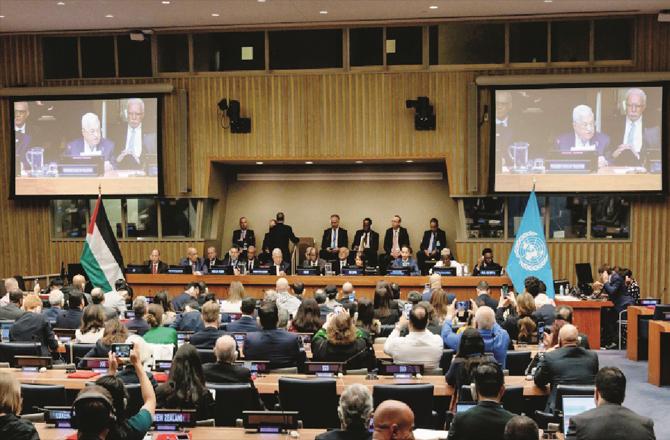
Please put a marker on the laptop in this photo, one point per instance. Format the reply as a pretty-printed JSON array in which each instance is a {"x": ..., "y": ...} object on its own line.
[
  {"x": 136, "y": 268},
  {"x": 573, "y": 406}
]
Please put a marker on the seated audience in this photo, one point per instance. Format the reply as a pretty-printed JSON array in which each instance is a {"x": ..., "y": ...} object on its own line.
[
  {"x": 56, "y": 303},
  {"x": 384, "y": 311},
  {"x": 393, "y": 420},
  {"x": 11, "y": 426},
  {"x": 496, "y": 339},
  {"x": 115, "y": 333},
  {"x": 116, "y": 299},
  {"x": 95, "y": 413},
  {"x": 285, "y": 300},
  {"x": 564, "y": 316},
  {"x": 33, "y": 326},
  {"x": 414, "y": 297},
  {"x": 185, "y": 387},
  {"x": 484, "y": 296},
  {"x": 341, "y": 341},
  {"x": 224, "y": 370},
  {"x": 92, "y": 325},
  {"x": 191, "y": 293},
  {"x": 487, "y": 420},
  {"x": 298, "y": 289},
  {"x": 347, "y": 292},
  {"x": 567, "y": 365},
  {"x": 71, "y": 318},
  {"x": 610, "y": 419},
  {"x": 247, "y": 322},
  {"x": 440, "y": 301},
  {"x": 158, "y": 334},
  {"x": 308, "y": 317},
  {"x": 281, "y": 348},
  {"x": 13, "y": 310},
  {"x": 331, "y": 295},
  {"x": 419, "y": 346},
  {"x": 434, "y": 325},
  {"x": 128, "y": 373},
  {"x": 468, "y": 357},
  {"x": 206, "y": 338},
  {"x": 321, "y": 298},
  {"x": 521, "y": 428},
  {"x": 139, "y": 324},
  {"x": 515, "y": 314},
  {"x": 366, "y": 319},
  {"x": 190, "y": 320},
  {"x": 169, "y": 315},
  {"x": 354, "y": 411},
  {"x": 10, "y": 286},
  {"x": 545, "y": 306},
  {"x": 98, "y": 299},
  {"x": 233, "y": 303},
  {"x": 434, "y": 282}
]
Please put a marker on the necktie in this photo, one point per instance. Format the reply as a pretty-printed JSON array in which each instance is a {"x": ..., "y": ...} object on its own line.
[
  {"x": 630, "y": 140},
  {"x": 154, "y": 268},
  {"x": 333, "y": 235},
  {"x": 130, "y": 148},
  {"x": 251, "y": 265},
  {"x": 432, "y": 242},
  {"x": 367, "y": 239},
  {"x": 395, "y": 240}
]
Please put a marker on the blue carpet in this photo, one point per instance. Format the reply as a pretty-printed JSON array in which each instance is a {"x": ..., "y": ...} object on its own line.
[{"x": 642, "y": 397}]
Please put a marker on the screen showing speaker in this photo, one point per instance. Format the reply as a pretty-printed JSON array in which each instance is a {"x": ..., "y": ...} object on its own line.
[
  {"x": 74, "y": 146},
  {"x": 578, "y": 139}
]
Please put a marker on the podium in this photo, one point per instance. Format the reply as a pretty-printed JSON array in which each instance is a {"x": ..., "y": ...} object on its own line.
[
  {"x": 586, "y": 317},
  {"x": 659, "y": 353},
  {"x": 636, "y": 349}
]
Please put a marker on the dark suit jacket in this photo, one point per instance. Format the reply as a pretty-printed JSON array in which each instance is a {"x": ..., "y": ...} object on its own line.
[
  {"x": 162, "y": 267},
  {"x": 206, "y": 338},
  {"x": 70, "y": 318},
  {"x": 256, "y": 263},
  {"x": 567, "y": 140},
  {"x": 439, "y": 243},
  {"x": 492, "y": 266},
  {"x": 546, "y": 314},
  {"x": 139, "y": 325},
  {"x": 216, "y": 372},
  {"x": 228, "y": 262},
  {"x": 486, "y": 300},
  {"x": 487, "y": 421},
  {"x": 249, "y": 238},
  {"x": 651, "y": 140},
  {"x": 403, "y": 239},
  {"x": 200, "y": 264},
  {"x": 342, "y": 434},
  {"x": 188, "y": 322},
  {"x": 76, "y": 147},
  {"x": 279, "y": 236},
  {"x": 337, "y": 267},
  {"x": 374, "y": 240},
  {"x": 149, "y": 139},
  {"x": 284, "y": 266},
  {"x": 566, "y": 366},
  {"x": 179, "y": 301},
  {"x": 327, "y": 239},
  {"x": 215, "y": 262},
  {"x": 34, "y": 327},
  {"x": 244, "y": 324},
  {"x": 618, "y": 293},
  {"x": 51, "y": 313},
  {"x": 11, "y": 312},
  {"x": 280, "y": 347},
  {"x": 610, "y": 422}
]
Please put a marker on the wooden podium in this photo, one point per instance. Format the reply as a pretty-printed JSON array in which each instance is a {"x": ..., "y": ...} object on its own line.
[
  {"x": 634, "y": 351},
  {"x": 587, "y": 318},
  {"x": 659, "y": 353}
]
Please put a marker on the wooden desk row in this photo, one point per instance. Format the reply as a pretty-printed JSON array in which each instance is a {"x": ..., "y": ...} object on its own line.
[
  {"x": 269, "y": 384},
  {"x": 656, "y": 349}
]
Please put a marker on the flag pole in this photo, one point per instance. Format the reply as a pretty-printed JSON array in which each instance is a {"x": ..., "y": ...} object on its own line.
[
  {"x": 100, "y": 189},
  {"x": 534, "y": 182}
]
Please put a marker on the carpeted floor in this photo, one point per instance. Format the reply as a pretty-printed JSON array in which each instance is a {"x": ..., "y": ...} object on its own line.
[{"x": 642, "y": 397}]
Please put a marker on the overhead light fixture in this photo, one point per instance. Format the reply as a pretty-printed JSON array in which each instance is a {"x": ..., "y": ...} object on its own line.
[
  {"x": 548, "y": 1},
  {"x": 432, "y": 7},
  {"x": 60, "y": 3},
  {"x": 261, "y": 1},
  {"x": 166, "y": 2},
  {"x": 109, "y": 16},
  {"x": 259, "y": 162},
  {"x": 214, "y": 14},
  {"x": 409, "y": 161},
  {"x": 359, "y": 161},
  {"x": 2, "y": 16},
  {"x": 309, "y": 162},
  {"x": 424, "y": 118},
  {"x": 324, "y": 12}
]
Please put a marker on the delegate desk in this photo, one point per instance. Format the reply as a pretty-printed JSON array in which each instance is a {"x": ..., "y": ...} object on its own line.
[
  {"x": 636, "y": 347},
  {"x": 659, "y": 353},
  {"x": 587, "y": 318}
]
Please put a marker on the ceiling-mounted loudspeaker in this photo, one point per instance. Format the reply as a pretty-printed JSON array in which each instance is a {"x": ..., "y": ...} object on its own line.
[{"x": 664, "y": 16}]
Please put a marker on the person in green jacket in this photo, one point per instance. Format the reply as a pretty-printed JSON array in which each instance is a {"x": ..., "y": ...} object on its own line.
[{"x": 158, "y": 334}]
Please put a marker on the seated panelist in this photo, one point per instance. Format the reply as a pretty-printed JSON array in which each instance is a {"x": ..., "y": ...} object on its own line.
[
  {"x": 333, "y": 239},
  {"x": 155, "y": 265},
  {"x": 405, "y": 260},
  {"x": 198, "y": 265},
  {"x": 212, "y": 258},
  {"x": 584, "y": 136},
  {"x": 312, "y": 260},
  {"x": 233, "y": 260},
  {"x": 343, "y": 260},
  {"x": 137, "y": 140},
  {"x": 278, "y": 266},
  {"x": 92, "y": 143}
]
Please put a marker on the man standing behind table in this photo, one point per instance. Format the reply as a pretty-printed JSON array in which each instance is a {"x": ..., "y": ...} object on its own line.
[
  {"x": 279, "y": 236},
  {"x": 395, "y": 238},
  {"x": 244, "y": 237},
  {"x": 24, "y": 135},
  {"x": 137, "y": 141},
  {"x": 198, "y": 265},
  {"x": 432, "y": 243},
  {"x": 333, "y": 239},
  {"x": 367, "y": 241},
  {"x": 92, "y": 143},
  {"x": 155, "y": 265}
]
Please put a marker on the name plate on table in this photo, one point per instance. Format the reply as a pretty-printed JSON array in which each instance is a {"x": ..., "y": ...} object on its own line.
[
  {"x": 97, "y": 365},
  {"x": 172, "y": 419},
  {"x": 59, "y": 416},
  {"x": 258, "y": 367},
  {"x": 260, "y": 271},
  {"x": 489, "y": 272},
  {"x": 352, "y": 271},
  {"x": 570, "y": 166},
  {"x": 271, "y": 422},
  {"x": 308, "y": 270},
  {"x": 403, "y": 371},
  {"x": 324, "y": 369},
  {"x": 445, "y": 271},
  {"x": 179, "y": 270},
  {"x": 32, "y": 364}
]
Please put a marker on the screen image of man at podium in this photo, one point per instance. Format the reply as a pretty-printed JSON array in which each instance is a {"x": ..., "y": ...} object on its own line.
[
  {"x": 92, "y": 144},
  {"x": 138, "y": 142},
  {"x": 584, "y": 137}
]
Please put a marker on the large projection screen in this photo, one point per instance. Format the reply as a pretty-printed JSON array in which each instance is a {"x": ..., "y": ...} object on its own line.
[
  {"x": 583, "y": 138},
  {"x": 78, "y": 145}
]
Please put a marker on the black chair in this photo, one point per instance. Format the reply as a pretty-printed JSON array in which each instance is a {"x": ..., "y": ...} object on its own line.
[
  {"x": 206, "y": 355},
  {"x": 517, "y": 362},
  {"x": 315, "y": 400},
  {"x": 74, "y": 352},
  {"x": 419, "y": 397},
  {"x": 9, "y": 350},
  {"x": 465, "y": 394},
  {"x": 135, "y": 400},
  {"x": 445, "y": 360},
  {"x": 39, "y": 396},
  {"x": 513, "y": 400},
  {"x": 543, "y": 418},
  {"x": 231, "y": 400},
  {"x": 385, "y": 330}
]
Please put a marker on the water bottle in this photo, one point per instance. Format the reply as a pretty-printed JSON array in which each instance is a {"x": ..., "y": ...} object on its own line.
[
  {"x": 562, "y": 290},
  {"x": 466, "y": 270}
]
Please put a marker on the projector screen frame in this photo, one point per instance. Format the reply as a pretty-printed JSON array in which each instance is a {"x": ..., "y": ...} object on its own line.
[
  {"x": 663, "y": 84},
  {"x": 158, "y": 95}
]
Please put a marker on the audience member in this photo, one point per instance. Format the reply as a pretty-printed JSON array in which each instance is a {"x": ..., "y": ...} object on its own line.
[
  {"x": 33, "y": 326},
  {"x": 434, "y": 282},
  {"x": 393, "y": 420},
  {"x": 341, "y": 341},
  {"x": 354, "y": 411},
  {"x": 610, "y": 419},
  {"x": 521, "y": 428},
  {"x": 11, "y": 285},
  {"x": 515, "y": 314},
  {"x": 366, "y": 319},
  {"x": 384, "y": 311},
  {"x": 567, "y": 365},
  {"x": 185, "y": 387},
  {"x": 419, "y": 346},
  {"x": 348, "y": 293},
  {"x": 281, "y": 348},
  {"x": 191, "y": 293},
  {"x": 414, "y": 297},
  {"x": 98, "y": 299},
  {"x": 564, "y": 316},
  {"x": 434, "y": 325},
  {"x": 158, "y": 334},
  {"x": 469, "y": 356},
  {"x": 440, "y": 301},
  {"x": 115, "y": 333},
  {"x": 487, "y": 420},
  {"x": 298, "y": 289},
  {"x": 247, "y": 322},
  {"x": 92, "y": 325},
  {"x": 13, "y": 310},
  {"x": 207, "y": 337},
  {"x": 56, "y": 303},
  {"x": 484, "y": 296},
  {"x": 94, "y": 413},
  {"x": 321, "y": 298},
  {"x": 233, "y": 303},
  {"x": 284, "y": 298},
  {"x": 116, "y": 299},
  {"x": 190, "y": 320},
  {"x": 161, "y": 299},
  {"x": 128, "y": 373},
  {"x": 138, "y": 324},
  {"x": 11, "y": 426},
  {"x": 545, "y": 306},
  {"x": 308, "y": 317},
  {"x": 331, "y": 295},
  {"x": 71, "y": 318}
]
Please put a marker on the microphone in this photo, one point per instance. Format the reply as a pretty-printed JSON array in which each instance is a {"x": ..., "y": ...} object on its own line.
[
  {"x": 365, "y": 350},
  {"x": 281, "y": 408}
]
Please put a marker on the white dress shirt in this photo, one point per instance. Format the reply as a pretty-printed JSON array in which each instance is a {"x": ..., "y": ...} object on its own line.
[
  {"x": 416, "y": 348},
  {"x": 583, "y": 145},
  {"x": 134, "y": 148},
  {"x": 637, "y": 135}
]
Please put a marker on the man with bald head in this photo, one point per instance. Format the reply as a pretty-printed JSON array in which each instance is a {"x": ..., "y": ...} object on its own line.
[
  {"x": 284, "y": 298},
  {"x": 92, "y": 143},
  {"x": 420, "y": 346},
  {"x": 567, "y": 365},
  {"x": 393, "y": 420},
  {"x": 198, "y": 265}
]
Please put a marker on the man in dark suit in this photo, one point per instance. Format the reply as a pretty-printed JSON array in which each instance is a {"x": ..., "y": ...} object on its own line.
[
  {"x": 92, "y": 143},
  {"x": 247, "y": 322},
  {"x": 432, "y": 243},
  {"x": 487, "y": 420},
  {"x": 191, "y": 319},
  {"x": 206, "y": 338},
  {"x": 279, "y": 266},
  {"x": 281, "y": 348},
  {"x": 137, "y": 142},
  {"x": 367, "y": 241},
  {"x": 395, "y": 238},
  {"x": 279, "y": 236},
  {"x": 567, "y": 365},
  {"x": 584, "y": 137},
  {"x": 634, "y": 137},
  {"x": 13, "y": 311},
  {"x": 234, "y": 261},
  {"x": 504, "y": 127},
  {"x": 484, "y": 297},
  {"x": 486, "y": 262},
  {"x": 192, "y": 292},
  {"x": 565, "y": 313},
  {"x": 34, "y": 327},
  {"x": 138, "y": 324},
  {"x": 244, "y": 237},
  {"x": 251, "y": 260},
  {"x": 197, "y": 264},
  {"x": 213, "y": 258},
  {"x": 343, "y": 260},
  {"x": 354, "y": 410},
  {"x": 71, "y": 318},
  {"x": 333, "y": 239},
  {"x": 614, "y": 284},
  {"x": 224, "y": 369},
  {"x": 155, "y": 265},
  {"x": 312, "y": 259},
  {"x": 25, "y": 136},
  {"x": 610, "y": 420}
]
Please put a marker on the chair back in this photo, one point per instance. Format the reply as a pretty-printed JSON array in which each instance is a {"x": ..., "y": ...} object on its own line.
[
  {"x": 75, "y": 351},
  {"x": 513, "y": 400},
  {"x": 465, "y": 394},
  {"x": 447, "y": 357},
  {"x": 572, "y": 390},
  {"x": 135, "y": 400},
  {"x": 39, "y": 396},
  {"x": 517, "y": 362},
  {"x": 206, "y": 355},
  {"x": 315, "y": 400},
  {"x": 9, "y": 351},
  {"x": 231, "y": 401},
  {"x": 419, "y": 397}
]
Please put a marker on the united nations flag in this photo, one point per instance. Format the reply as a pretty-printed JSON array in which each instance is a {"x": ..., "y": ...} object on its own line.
[{"x": 529, "y": 255}]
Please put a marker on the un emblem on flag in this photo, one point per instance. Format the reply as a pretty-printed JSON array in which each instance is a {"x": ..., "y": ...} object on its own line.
[{"x": 531, "y": 251}]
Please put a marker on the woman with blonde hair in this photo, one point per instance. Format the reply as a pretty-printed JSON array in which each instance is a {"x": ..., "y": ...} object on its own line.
[
  {"x": 341, "y": 341},
  {"x": 11, "y": 426},
  {"x": 233, "y": 303},
  {"x": 440, "y": 302},
  {"x": 515, "y": 314}
]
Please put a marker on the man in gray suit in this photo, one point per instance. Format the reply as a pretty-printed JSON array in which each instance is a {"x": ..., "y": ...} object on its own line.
[{"x": 610, "y": 420}]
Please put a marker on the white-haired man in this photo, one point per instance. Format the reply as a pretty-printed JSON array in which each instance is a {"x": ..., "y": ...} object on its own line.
[
  {"x": 56, "y": 302},
  {"x": 354, "y": 412},
  {"x": 278, "y": 266},
  {"x": 584, "y": 137},
  {"x": 284, "y": 298},
  {"x": 137, "y": 141},
  {"x": 92, "y": 143}
]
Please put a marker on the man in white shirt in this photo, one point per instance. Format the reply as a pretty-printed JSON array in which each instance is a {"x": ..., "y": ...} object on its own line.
[
  {"x": 284, "y": 298},
  {"x": 135, "y": 140},
  {"x": 420, "y": 346}
]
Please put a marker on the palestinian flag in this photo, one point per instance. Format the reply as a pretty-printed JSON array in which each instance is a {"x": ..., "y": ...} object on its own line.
[{"x": 101, "y": 257}]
